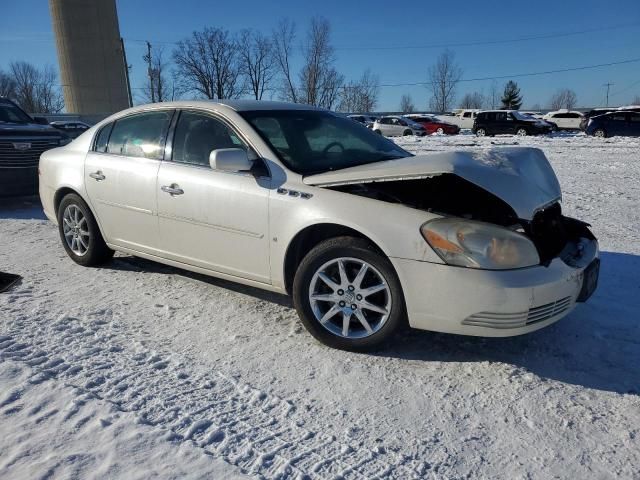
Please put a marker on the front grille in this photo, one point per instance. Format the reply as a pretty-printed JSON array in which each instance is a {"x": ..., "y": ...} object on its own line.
[
  {"x": 519, "y": 319},
  {"x": 10, "y": 157}
]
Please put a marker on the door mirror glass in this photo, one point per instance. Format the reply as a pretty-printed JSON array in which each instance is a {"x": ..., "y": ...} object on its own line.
[{"x": 230, "y": 160}]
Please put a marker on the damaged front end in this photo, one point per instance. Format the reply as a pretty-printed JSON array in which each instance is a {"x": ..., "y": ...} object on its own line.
[{"x": 515, "y": 189}]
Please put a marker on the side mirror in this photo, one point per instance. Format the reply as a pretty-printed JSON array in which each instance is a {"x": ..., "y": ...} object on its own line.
[
  {"x": 41, "y": 120},
  {"x": 230, "y": 160}
]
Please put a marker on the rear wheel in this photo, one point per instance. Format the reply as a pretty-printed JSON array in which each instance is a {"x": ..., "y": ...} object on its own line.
[
  {"x": 600, "y": 133},
  {"x": 481, "y": 132},
  {"x": 522, "y": 132},
  {"x": 79, "y": 232},
  {"x": 348, "y": 295},
  {"x": 440, "y": 130},
  {"x": 407, "y": 132},
  {"x": 378, "y": 132}
]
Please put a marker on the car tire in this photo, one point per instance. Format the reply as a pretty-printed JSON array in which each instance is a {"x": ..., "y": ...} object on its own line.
[
  {"x": 319, "y": 276},
  {"x": 481, "y": 132},
  {"x": 440, "y": 131},
  {"x": 522, "y": 132},
  {"x": 407, "y": 132},
  {"x": 378, "y": 132},
  {"x": 600, "y": 133},
  {"x": 80, "y": 234}
]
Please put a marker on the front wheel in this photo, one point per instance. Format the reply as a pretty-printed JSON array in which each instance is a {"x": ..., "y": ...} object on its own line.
[
  {"x": 348, "y": 295},
  {"x": 378, "y": 131},
  {"x": 481, "y": 132},
  {"x": 79, "y": 232},
  {"x": 600, "y": 133},
  {"x": 407, "y": 132},
  {"x": 440, "y": 131},
  {"x": 522, "y": 132}
]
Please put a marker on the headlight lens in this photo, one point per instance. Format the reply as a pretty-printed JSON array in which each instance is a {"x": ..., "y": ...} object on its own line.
[{"x": 467, "y": 243}]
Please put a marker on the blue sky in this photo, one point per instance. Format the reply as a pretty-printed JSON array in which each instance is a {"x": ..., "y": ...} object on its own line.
[{"x": 26, "y": 34}]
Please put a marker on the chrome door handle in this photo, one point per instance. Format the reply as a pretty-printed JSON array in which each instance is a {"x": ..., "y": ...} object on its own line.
[
  {"x": 172, "y": 189},
  {"x": 98, "y": 176}
]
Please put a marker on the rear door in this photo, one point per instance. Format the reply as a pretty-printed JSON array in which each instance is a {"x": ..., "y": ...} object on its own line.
[
  {"x": 633, "y": 128},
  {"x": 120, "y": 177},
  {"x": 218, "y": 220}
]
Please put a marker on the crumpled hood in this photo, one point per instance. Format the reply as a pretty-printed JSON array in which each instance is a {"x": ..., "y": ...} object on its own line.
[{"x": 520, "y": 176}]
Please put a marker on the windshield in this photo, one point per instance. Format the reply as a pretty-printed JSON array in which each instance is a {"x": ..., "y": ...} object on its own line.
[
  {"x": 310, "y": 141},
  {"x": 12, "y": 114},
  {"x": 522, "y": 116}
]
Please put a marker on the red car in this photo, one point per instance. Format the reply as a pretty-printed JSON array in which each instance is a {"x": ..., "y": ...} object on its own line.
[{"x": 433, "y": 125}]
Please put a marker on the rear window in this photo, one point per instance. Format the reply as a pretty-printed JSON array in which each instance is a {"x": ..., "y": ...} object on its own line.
[
  {"x": 140, "y": 135},
  {"x": 103, "y": 138}
]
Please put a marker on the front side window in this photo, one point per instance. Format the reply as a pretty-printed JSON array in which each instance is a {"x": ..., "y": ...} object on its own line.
[
  {"x": 310, "y": 141},
  {"x": 140, "y": 135},
  {"x": 617, "y": 118},
  {"x": 198, "y": 134},
  {"x": 634, "y": 117}
]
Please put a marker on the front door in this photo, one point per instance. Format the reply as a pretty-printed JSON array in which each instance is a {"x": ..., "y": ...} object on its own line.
[
  {"x": 120, "y": 177},
  {"x": 208, "y": 218}
]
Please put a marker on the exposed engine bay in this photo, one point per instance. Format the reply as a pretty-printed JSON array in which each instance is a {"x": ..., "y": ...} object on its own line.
[{"x": 450, "y": 195}]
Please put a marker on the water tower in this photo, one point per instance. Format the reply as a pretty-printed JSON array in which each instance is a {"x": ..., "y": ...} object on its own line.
[{"x": 93, "y": 69}]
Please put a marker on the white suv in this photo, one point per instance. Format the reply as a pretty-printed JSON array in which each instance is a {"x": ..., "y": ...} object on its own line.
[{"x": 564, "y": 119}]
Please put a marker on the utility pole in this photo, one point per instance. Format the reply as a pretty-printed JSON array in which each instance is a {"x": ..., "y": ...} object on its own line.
[
  {"x": 147, "y": 58},
  {"x": 608, "y": 85},
  {"x": 126, "y": 72}
]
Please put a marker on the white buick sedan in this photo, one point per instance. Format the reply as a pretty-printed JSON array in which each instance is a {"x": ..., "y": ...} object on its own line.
[{"x": 299, "y": 200}]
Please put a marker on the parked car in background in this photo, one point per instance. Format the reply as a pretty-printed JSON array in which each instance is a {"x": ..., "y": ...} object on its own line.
[
  {"x": 396, "y": 126},
  {"x": 536, "y": 115},
  {"x": 592, "y": 113},
  {"x": 432, "y": 124},
  {"x": 22, "y": 140},
  {"x": 463, "y": 118},
  {"x": 497, "y": 122},
  {"x": 619, "y": 123},
  {"x": 299, "y": 200},
  {"x": 564, "y": 119},
  {"x": 366, "y": 120},
  {"x": 73, "y": 128}
]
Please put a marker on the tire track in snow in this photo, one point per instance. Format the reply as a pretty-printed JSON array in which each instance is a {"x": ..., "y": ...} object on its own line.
[{"x": 260, "y": 433}]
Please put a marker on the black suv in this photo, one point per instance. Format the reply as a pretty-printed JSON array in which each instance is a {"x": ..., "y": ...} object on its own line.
[
  {"x": 496, "y": 122},
  {"x": 22, "y": 141}
]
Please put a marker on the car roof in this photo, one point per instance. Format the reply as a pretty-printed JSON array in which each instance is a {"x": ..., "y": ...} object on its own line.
[{"x": 236, "y": 105}]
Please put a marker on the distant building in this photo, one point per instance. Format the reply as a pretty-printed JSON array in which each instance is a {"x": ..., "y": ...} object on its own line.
[{"x": 90, "y": 53}]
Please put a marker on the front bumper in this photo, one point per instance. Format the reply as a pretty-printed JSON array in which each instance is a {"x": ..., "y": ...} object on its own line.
[
  {"x": 18, "y": 181},
  {"x": 487, "y": 303}
]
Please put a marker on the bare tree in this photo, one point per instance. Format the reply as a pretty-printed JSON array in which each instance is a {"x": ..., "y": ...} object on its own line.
[
  {"x": 536, "y": 107},
  {"x": 209, "y": 63},
  {"x": 158, "y": 89},
  {"x": 282, "y": 38},
  {"x": 493, "y": 99},
  {"x": 474, "y": 100},
  {"x": 36, "y": 90},
  {"x": 258, "y": 61},
  {"x": 7, "y": 85},
  {"x": 444, "y": 76},
  {"x": 319, "y": 80},
  {"x": 406, "y": 104},
  {"x": 563, "y": 98},
  {"x": 361, "y": 95}
]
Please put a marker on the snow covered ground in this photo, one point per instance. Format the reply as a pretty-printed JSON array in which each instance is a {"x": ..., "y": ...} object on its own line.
[{"x": 138, "y": 370}]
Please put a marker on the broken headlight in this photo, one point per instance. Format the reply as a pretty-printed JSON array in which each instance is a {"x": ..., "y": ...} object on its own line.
[{"x": 467, "y": 243}]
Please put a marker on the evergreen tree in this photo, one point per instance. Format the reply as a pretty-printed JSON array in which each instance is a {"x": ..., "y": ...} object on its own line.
[{"x": 511, "y": 98}]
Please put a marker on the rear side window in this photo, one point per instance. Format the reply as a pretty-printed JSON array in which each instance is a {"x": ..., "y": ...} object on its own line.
[
  {"x": 142, "y": 135},
  {"x": 634, "y": 117},
  {"x": 617, "y": 118},
  {"x": 103, "y": 138}
]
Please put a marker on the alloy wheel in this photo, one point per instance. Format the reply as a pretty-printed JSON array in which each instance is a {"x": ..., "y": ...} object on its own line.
[
  {"x": 350, "y": 298},
  {"x": 75, "y": 229}
]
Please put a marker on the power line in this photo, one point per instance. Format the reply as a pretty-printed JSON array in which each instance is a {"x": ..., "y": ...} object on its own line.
[
  {"x": 454, "y": 45},
  {"x": 519, "y": 75}
]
